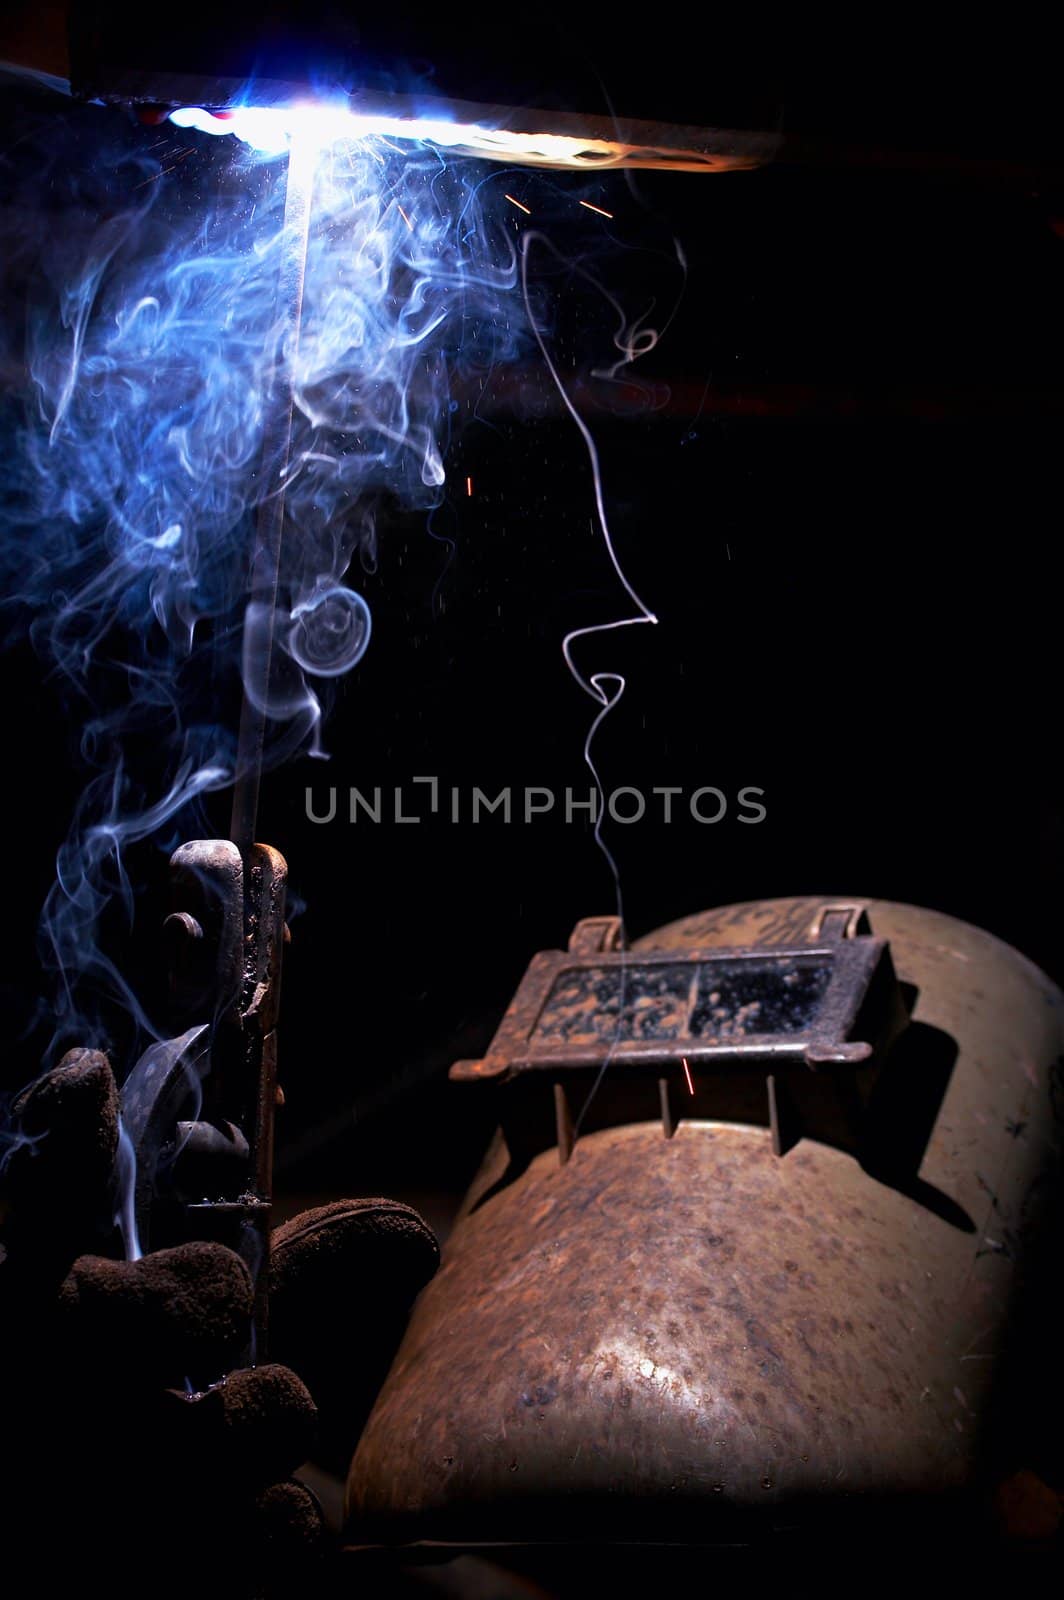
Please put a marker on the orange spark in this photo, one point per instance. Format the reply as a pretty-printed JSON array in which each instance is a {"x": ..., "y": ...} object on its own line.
[
  {"x": 518, "y": 204},
  {"x": 469, "y": 486},
  {"x": 404, "y": 216},
  {"x": 589, "y": 207},
  {"x": 687, "y": 1075}
]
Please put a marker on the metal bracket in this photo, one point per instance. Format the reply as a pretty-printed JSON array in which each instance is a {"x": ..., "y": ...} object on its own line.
[
  {"x": 706, "y": 1025},
  {"x": 840, "y": 922}
]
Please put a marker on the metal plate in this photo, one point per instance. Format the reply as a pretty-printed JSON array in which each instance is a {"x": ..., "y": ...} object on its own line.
[{"x": 800, "y": 1004}]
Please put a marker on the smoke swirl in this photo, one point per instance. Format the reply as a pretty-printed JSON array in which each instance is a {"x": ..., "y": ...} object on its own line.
[
  {"x": 329, "y": 633},
  {"x": 141, "y": 342}
]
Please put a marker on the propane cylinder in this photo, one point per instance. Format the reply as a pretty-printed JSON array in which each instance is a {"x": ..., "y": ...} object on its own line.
[{"x": 720, "y": 1306}]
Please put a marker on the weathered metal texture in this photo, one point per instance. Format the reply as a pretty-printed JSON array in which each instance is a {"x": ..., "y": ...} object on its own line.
[
  {"x": 797, "y": 1031},
  {"x": 660, "y": 1007},
  {"x": 689, "y": 1339},
  {"x": 199, "y": 1108}
]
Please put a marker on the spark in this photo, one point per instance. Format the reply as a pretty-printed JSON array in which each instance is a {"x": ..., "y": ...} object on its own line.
[
  {"x": 367, "y": 145},
  {"x": 518, "y": 204},
  {"x": 183, "y": 156},
  {"x": 469, "y": 486},
  {"x": 589, "y": 207},
  {"x": 404, "y": 216},
  {"x": 687, "y": 1075}
]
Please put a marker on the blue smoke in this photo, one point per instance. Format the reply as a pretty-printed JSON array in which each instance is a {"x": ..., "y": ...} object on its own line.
[{"x": 141, "y": 338}]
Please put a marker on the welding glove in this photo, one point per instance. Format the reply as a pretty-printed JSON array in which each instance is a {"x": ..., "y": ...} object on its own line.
[{"x": 128, "y": 1438}]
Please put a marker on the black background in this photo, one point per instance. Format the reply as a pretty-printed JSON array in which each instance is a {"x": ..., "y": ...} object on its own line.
[{"x": 842, "y": 502}]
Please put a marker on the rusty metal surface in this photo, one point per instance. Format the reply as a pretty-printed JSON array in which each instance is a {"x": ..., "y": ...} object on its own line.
[
  {"x": 205, "y": 931},
  {"x": 794, "y": 1034},
  {"x": 689, "y": 1339},
  {"x": 651, "y": 1009},
  {"x": 199, "y": 1108},
  {"x": 264, "y": 939}
]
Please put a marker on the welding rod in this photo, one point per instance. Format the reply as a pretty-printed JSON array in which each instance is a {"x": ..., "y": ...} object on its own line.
[{"x": 265, "y": 568}]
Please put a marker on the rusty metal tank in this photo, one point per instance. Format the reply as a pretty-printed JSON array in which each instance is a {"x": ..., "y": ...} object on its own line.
[{"x": 785, "y": 1270}]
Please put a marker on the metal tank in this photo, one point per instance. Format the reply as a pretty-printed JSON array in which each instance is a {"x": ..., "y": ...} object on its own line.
[{"x": 784, "y": 1270}]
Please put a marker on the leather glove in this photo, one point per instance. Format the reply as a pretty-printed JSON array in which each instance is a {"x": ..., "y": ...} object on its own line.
[{"x": 135, "y": 1450}]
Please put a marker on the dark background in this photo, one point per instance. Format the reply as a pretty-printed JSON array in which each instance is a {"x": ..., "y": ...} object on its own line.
[{"x": 840, "y": 495}]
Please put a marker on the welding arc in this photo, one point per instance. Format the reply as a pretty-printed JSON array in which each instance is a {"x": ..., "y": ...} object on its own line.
[{"x": 269, "y": 533}]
